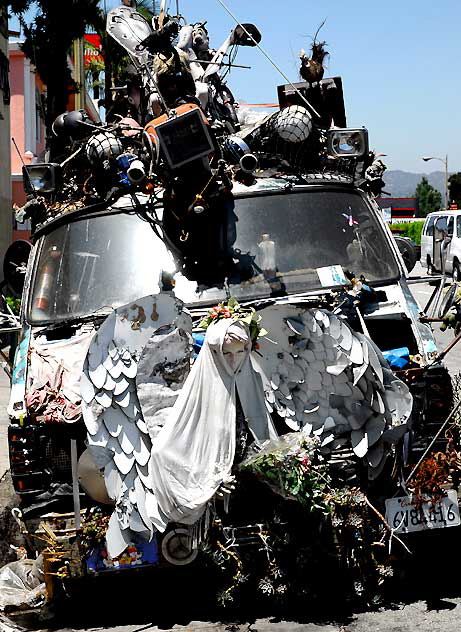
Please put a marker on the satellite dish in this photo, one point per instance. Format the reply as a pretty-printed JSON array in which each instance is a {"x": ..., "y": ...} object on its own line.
[{"x": 15, "y": 264}]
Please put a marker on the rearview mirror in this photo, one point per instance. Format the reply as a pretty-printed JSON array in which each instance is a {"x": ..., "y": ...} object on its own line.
[
  {"x": 440, "y": 243},
  {"x": 408, "y": 252}
]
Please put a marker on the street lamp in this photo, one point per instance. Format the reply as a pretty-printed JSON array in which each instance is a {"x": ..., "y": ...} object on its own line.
[{"x": 445, "y": 162}]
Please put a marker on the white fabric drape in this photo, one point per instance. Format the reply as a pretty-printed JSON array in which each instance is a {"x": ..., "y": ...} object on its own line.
[{"x": 194, "y": 452}]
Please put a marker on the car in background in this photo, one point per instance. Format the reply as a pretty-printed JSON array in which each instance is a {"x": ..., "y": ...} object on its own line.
[{"x": 449, "y": 224}]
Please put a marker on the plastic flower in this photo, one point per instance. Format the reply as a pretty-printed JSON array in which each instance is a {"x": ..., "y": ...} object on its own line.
[{"x": 232, "y": 309}]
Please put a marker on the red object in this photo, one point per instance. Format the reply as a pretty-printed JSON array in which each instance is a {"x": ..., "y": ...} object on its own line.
[
  {"x": 181, "y": 109},
  {"x": 42, "y": 298},
  {"x": 93, "y": 48}
]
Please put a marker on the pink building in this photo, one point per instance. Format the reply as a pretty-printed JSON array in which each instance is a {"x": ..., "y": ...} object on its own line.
[
  {"x": 27, "y": 124},
  {"x": 28, "y": 94}
]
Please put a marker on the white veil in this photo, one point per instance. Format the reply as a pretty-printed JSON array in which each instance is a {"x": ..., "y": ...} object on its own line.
[{"x": 194, "y": 452}]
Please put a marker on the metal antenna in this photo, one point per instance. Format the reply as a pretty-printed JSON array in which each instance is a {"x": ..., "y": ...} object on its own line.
[
  {"x": 23, "y": 164},
  {"x": 269, "y": 58}
]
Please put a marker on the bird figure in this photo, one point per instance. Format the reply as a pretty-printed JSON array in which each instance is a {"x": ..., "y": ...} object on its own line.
[{"x": 312, "y": 68}]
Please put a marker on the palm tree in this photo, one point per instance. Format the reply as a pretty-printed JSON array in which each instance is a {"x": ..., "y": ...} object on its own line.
[{"x": 48, "y": 40}]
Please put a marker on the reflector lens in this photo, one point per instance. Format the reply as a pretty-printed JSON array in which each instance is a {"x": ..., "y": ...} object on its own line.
[{"x": 347, "y": 143}]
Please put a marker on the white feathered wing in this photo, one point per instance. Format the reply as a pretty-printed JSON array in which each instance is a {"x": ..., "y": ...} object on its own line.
[
  {"x": 327, "y": 379},
  {"x": 135, "y": 367}
]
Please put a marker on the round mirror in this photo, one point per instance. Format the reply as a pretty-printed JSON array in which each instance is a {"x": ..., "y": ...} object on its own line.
[
  {"x": 408, "y": 252},
  {"x": 448, "y": 300}
]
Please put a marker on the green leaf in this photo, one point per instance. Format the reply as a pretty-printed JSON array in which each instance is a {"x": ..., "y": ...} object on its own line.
[{"x": 204, "y": 323}]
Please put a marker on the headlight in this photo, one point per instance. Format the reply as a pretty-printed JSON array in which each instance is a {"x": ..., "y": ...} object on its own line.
[
  {"x": 41, "y": 178},
  {"x": 347, "y": 143}
]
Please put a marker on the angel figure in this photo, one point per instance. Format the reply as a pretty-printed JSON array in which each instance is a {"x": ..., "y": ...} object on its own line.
[{"x": 194, "y": 452}]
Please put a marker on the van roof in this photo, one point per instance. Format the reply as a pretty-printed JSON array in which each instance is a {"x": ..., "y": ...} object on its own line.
[{"x": 436, "y": 213}]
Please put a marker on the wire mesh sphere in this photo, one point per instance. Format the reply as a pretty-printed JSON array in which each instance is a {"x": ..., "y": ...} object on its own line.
[
  {"x": 293, "y": 124},
  {"x": 103, "y": 145}
]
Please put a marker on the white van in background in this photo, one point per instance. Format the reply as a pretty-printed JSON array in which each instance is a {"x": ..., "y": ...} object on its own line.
[{"x": 450, "y": 223}]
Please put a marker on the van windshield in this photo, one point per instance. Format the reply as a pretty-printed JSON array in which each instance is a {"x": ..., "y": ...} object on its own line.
[
  {"x": 92, "y": 264},
  {"x": 290, "y": 238},
  {"x": 280, "y": 244}
]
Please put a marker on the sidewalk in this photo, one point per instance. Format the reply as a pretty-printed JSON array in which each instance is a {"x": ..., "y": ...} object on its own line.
[{"x": 4, "y": 397}]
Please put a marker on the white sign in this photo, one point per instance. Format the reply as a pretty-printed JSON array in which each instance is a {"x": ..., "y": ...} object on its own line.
[
  {"x": 406, "y": 220},
  {"x": 408, "y": 513},
  {"x": 332, "y": 275}
]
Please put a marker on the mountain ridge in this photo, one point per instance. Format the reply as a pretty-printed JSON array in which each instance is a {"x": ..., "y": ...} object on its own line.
[{"x": 399, "y": 183}]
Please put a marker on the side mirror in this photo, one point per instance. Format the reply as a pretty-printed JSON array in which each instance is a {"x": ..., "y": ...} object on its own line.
[
  {"x": 440, "y": 243},
  {"x": 448, "y": 300},
  {"x": 408, "y": 252},
  {"x": 240, "y": 35}
]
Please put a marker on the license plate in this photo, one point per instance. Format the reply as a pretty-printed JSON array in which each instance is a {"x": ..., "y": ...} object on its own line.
[{"x": 407, "y": 513}]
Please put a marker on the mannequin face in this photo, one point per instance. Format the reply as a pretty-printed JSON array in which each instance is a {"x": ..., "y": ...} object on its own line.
[{"x": 234, "y": 351}]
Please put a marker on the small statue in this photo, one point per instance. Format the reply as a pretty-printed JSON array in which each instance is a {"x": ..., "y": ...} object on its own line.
[{"x": 312, "y": 68}]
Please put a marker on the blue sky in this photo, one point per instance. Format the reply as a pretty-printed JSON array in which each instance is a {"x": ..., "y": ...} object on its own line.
[{"x": 399, "y": 61}]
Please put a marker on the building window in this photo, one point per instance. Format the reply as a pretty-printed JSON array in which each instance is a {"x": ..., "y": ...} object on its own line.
[{"x": 4, "y": 77}]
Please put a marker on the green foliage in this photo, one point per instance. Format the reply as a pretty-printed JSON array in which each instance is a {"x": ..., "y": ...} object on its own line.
[
  {"x": 412, "y": 230},
  {"x": 19, "y": 6},
  {"x": 14, "y": 304},
  {"x": 427, "y": 197},
  {"x": 454, "y": 186},
  {"x": 48, "y": 39},
  {"x": 292, "y": 467}
]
